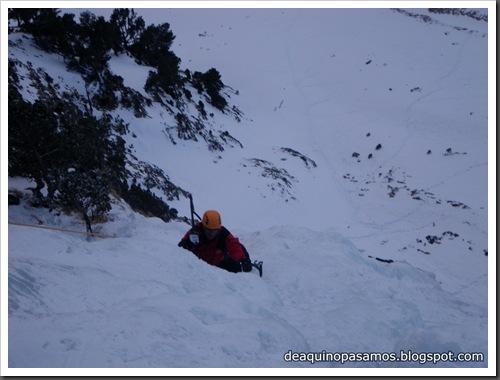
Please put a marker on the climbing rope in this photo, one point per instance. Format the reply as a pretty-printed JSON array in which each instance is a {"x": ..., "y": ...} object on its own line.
[{"x": 60, "y": 229}]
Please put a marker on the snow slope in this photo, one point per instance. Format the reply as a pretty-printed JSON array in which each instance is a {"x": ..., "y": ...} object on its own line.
[
  {"x": 136, "y": 301},
  {"x": 326, "y": 83}
]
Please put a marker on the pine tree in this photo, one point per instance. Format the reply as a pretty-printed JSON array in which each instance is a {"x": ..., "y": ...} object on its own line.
[{"x": 128, "y": 26}]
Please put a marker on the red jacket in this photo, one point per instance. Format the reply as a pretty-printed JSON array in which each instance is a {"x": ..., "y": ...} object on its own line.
[{"x": 215, "y": 251}]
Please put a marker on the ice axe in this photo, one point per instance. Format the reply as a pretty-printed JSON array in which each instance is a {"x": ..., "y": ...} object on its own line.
[
  {"x": 193, "y": 213},
  {"x": 258, "y": 265}
]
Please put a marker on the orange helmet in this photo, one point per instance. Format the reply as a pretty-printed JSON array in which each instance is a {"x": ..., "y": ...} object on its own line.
[{"x": 211, "y": 220}]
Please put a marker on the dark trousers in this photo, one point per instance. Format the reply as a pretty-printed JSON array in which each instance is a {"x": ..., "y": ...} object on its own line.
[
  {"x": 230, "y": 265},
  {"x": 234, "y": 266}
]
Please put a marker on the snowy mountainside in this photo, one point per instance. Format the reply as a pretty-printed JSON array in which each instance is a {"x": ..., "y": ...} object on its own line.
[
  {"x": 422, "y": 102},
  {"x": 358, "y": 171},
  {"x": 136, "y": 301}
]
